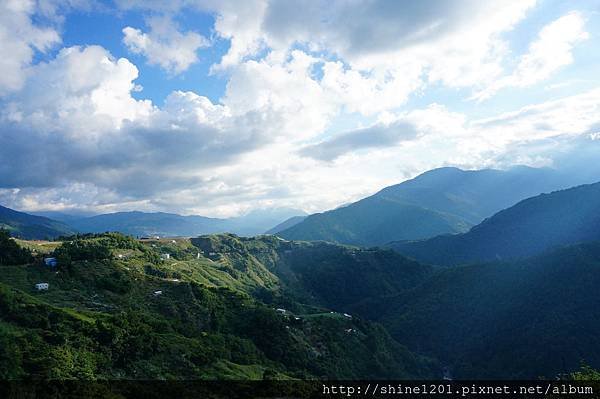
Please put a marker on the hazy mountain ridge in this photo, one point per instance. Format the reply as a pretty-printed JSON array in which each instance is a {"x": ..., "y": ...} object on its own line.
[
  {"x": 440, "y": 201},
  {"x": 28, "y": 226},
  {"x": 530, "y": 227},
  {"x": 294, "y": 220},
  {"x": 163, "y": 224}
]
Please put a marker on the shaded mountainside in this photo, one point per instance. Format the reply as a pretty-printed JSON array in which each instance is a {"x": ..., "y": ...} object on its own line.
[
  {"x": 528, "y": 228},
  {"x": 441, "y": 201},
  {"x": 31, "y": 227},
  {"x": 286, "y": 224},
  {"x": 526, "y": 319},
  {"x": 115, "y": 310},
  {"x": 319, "y": 273}
]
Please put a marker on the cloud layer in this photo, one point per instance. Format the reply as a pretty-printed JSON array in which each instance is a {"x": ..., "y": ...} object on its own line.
[{"x": 324, "y": 102}]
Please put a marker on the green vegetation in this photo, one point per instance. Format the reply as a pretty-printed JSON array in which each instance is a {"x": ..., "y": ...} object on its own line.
[
  {"x": 10, "y": 252},
  {"x": 441, "y": 201},
  {"x": 526, "y": 229},
  {"x": 114, "y": 310},
  {"x": 224, "y": 306},
  {"x": 586, "y": 373},
  {"x": 525, "y": 319},
  {"x": 31, "y": 227}
]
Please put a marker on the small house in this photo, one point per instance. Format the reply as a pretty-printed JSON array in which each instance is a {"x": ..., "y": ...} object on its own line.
[
  {"x": 165, "y": 256},
  {"x": 50, "y": 262},
  {"x": 42, "y": 286},
  {"x": 347, "y": 315},
  {"x": 280, "y": 310},
  {"x": 157, "y": 293}
]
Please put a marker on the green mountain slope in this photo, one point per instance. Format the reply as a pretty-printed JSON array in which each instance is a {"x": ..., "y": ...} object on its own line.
[
  {"x": 441, "y": 201},
  {"x": 115, "y": 310},
  {"x": 31, "y": 227},
  {"x": 531, "y": 318},
  {"x": 318, "y": 273},
  {"x": 286, "y": 224},
  {"x": 530, "y": 227}
]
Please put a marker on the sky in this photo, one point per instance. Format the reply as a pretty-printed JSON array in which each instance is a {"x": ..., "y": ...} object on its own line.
[{"x": 220, "y": 107}]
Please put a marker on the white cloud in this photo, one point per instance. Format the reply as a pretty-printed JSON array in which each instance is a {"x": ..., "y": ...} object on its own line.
[
  {"x": 19, "y": 39},
  {"x": 72, "y": 133},
  {"x": 386, "y": 50},
  {"x": 164, "y": 45},
  {"x": 81, "y": 87},
  {"x": 552, "y": 50}
]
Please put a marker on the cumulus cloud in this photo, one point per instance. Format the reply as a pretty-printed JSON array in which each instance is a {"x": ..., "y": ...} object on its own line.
[
  {"x": 76, "y": 122},
  {"x": 164, "y": 45},
  {"x": 20, "y": 38},
  {"x": 375, "y": 46},
  {"x": 72, "y": 134}
]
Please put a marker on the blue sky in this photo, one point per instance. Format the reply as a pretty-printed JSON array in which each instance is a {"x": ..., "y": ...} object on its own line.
[{"x": 220, "y": 107}]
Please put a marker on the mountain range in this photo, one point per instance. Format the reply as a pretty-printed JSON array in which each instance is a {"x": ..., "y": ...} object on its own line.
[
  {"x": 28, "y": 226},
  {"x": 528, "y": 228},
  {"x": 515, "y": 297},
  {"x": 44, "y": 225},
  {"x": 441, "y": 201}
]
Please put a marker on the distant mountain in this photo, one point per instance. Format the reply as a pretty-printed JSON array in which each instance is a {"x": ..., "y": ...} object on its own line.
[
  {"x": 143, "y": 223},
  {"x": 518, "y": 320},
  {"x": 170, "y": 224},
  {"x": 286, "y": 224},
  {"x": 65, "y": 217},
  {"x": 441, "y": 201},
  {"x": 528, "y": 228},
  {"x": 260, "y": 220},
  {"x": 24, "y": 225}
]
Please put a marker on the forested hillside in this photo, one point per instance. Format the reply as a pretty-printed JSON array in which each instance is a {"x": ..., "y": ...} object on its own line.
[
  {"x": 526, "y": 319},
  {"x": 528, "y": 228},
  {"x": 440, "y": 201},
  {"x": 31, "y": 227},
  {"x": 114, "y": 309}
]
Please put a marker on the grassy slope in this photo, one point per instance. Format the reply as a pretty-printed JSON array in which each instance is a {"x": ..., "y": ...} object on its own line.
[{"x": 100, "y": 319}]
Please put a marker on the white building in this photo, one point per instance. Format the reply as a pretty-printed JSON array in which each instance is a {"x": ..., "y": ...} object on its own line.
[
  {"x": 157, "y": 293},
  {"x": 42, "y": 286},
  {"x": 165, "y": 256}
]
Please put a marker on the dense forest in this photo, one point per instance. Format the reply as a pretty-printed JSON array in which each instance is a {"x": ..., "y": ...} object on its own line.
[
  {"x": 114, "y": 309},
  {"x": 223, "y": 306}
]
